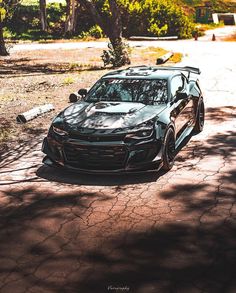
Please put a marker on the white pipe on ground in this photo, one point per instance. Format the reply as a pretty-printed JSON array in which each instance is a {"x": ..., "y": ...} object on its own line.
[{"x": 33, "y": 113}]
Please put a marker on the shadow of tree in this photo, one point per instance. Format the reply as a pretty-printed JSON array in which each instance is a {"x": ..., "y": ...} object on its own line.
[
  {"x": 194, "y": 251},
  {"x": 23, "y": 248},
  {"x": 221, "y": 114},
  {"x": 34, "y": 131},
  {"x": 191, "y": 255},
  {"x": 10, "y": 155},
  {"x": 219, "y": 144},
  {"x": 5, "y": 130},
  {"x": 23, "y": 66}
]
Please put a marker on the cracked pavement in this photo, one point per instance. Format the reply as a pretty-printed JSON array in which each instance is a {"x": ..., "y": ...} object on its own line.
[{"x": 150, "y": 232}]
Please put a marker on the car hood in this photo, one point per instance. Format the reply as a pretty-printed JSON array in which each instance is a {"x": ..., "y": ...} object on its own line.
[{"x": 108, "y": 115}]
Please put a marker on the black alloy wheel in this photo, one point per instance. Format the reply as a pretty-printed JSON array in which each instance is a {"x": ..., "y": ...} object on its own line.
[
  {"x": 200, "y": 118},
  {"x": 169, "y": 150}
]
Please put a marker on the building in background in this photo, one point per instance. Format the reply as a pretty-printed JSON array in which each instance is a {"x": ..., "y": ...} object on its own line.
[
  {"x": 226, "y": 18},
  {"x": 205, "y": 14}
]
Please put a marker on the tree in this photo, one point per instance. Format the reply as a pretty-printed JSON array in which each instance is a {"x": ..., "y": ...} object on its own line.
[
  {"x": 3, "y": 50},
  {"x": 43, "y": 15},
  {"x": 71, "y": 16},
  {"x": 112, "y": 27},
  {"x": 6, "y": 10}
]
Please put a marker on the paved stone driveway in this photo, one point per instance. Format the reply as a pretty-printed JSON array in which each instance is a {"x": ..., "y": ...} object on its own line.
[{"x": 173, "y": 232}]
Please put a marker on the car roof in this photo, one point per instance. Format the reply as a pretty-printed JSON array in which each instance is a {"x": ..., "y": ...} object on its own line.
[{"x": 143, "y": 72}]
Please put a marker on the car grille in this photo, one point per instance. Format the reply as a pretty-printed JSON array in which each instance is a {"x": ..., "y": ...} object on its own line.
[
  {"x": 94, "y": 138},
  {"x": 95, "y": 157}
]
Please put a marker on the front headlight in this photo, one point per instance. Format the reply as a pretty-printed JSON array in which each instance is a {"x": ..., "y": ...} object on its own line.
[
  {"x": 141, "y": 131},
  {"x": 59, "y": 131},
  {"x": 144, "y": 133}
]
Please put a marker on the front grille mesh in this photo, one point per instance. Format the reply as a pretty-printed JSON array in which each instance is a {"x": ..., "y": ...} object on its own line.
[
  {"x": 95, "y": 157},
  {"x": 94, "y": 138}
]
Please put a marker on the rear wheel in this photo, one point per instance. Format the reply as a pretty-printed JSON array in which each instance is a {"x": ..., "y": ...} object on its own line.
[
  {"x": 169, "y": 150},
  {"x": 200, "y": 118}
]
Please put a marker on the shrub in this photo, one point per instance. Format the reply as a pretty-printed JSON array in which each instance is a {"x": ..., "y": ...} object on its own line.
[
  {"x": 116, "y": 56},
  {"x": 94, "y": 32},
  {"x": 155, "y": 18}
]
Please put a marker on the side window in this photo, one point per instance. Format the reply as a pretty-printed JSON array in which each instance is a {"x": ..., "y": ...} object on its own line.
[{"x": 176, "y": 82}]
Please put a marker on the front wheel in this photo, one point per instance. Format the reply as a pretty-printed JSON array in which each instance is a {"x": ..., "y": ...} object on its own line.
[
  {"x": 198, "y": 127},
  {"x": 168, "y": 150}
]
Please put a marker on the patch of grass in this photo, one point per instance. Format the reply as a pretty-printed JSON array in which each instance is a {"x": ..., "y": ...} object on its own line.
[
  {"x": 35, "y": 2},
  {"x": 231, "y": 38},
  {"x": 6, "y": 130},
  {"x": 32, "y": 35},
  {"x": 149, "y": 55},
  {"x": 6, "y": 98},
  {"x": 73, "y": 66},
  {"x": 177, "y": 57},
  {"x": 82, "y": 66},
  {"x": 146, "y": 55},
  {"x": 153, "y": 50},
  {"x": 95, "y": 59},
  {"x": 202, "y": 27},
  {"x": 68, "y": 80},
  {"x": 5, "y": 134}
]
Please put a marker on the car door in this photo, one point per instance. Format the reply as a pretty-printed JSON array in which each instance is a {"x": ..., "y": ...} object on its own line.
[{"x": 182, "y": 109}]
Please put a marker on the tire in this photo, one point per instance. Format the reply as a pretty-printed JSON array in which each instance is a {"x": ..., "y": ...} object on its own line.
[
  {"x": 199, "y": 124},
  {"x": 168, "y": 155}
]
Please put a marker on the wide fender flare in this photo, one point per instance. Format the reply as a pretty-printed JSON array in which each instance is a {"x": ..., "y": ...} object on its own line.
[{"x": 161, "y": 130}]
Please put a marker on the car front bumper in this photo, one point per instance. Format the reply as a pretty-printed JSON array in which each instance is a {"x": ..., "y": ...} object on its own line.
[{"x": 102, "y": 157}]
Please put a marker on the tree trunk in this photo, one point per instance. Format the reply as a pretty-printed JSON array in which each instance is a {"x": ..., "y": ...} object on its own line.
[
  {"x": 112, "y": 28},
  {"x": 71, "y": 17},
  {"x": 43, "y": 15},
  {"x": 3, "y": 50}
]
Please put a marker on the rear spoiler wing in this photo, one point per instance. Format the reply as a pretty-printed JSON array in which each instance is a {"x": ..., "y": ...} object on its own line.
[
  {"x": 185, "y": 68},
  {"x": 189, "y": 69}
]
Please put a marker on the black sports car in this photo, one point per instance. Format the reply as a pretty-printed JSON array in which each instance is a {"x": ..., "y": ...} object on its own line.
[{"x": 131, "y": 119}]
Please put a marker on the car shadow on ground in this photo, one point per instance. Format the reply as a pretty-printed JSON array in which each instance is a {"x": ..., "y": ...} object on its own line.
[{"x": 68, "y": 177}]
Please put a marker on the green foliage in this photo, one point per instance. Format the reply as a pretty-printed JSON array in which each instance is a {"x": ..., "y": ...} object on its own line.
[
  {"x": 156, "y": 30},
  {"x": 155, "y": 18},
  {"x": 68, "y": 80},
  {"x": 216, "y": 5},
  {"x": 25, "y": 22},
  {"x": 139, "y": 17},
  {"x": 94, "y": 32},
  {"x": 2, "y": 11},
  {"x": 117, "y": 55}
]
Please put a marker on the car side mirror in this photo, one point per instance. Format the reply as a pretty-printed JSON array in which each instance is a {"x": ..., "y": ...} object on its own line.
[
  {"x": 73, "y": 98},
  {"x": 180, "y": 96},
  {"x": 83, "y": 92}
]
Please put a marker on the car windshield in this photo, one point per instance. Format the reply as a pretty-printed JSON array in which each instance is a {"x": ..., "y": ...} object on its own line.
[{"x": 147, "y": 91}]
